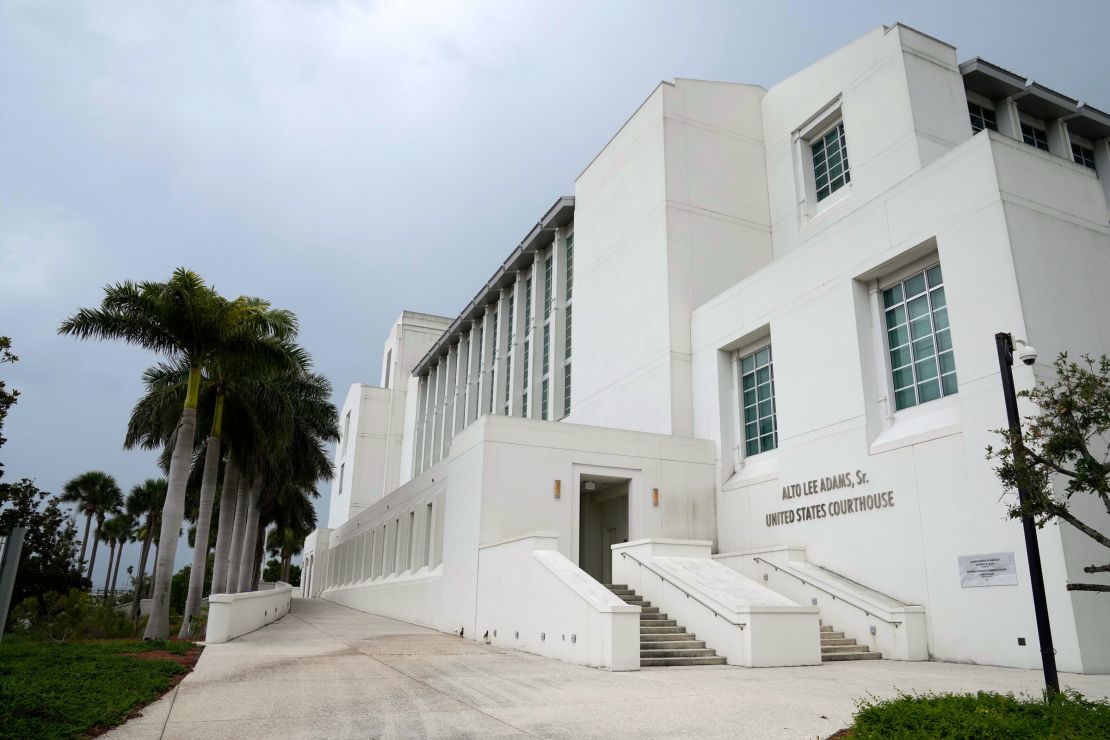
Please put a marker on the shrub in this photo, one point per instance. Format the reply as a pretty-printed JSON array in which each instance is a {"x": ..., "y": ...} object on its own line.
[
  {"x": 72, "y": 616},
  {"x": 982, "y": 715}
]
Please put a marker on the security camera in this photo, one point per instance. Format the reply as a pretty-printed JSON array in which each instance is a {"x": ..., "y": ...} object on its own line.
[{"x": 1025, "y": 352}]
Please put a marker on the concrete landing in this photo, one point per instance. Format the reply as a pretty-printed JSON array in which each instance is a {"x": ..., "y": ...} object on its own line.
[{"x": 326, "y": 671}]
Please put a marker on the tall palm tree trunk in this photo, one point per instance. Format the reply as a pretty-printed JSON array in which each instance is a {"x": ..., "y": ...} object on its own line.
[
  {"x": 85, "y": 542},
  {"x": 111, "y": 562},
  {"x": 259, "y": 556},
  {"x": 158, "y": 626},
  {"x": 229, "y": 498},
  {"x": 204, "y": 523},
  {"x": 115, "y": 571},
  {"x": 250, "y": 540},
  {"x": 96, "y": 541},
  {"x": 140, "y": 588},
  {"x": 242, "y": 503}
]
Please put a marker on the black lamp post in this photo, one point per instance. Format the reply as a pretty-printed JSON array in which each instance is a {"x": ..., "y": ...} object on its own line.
[{"x": 1005, "y": 344}]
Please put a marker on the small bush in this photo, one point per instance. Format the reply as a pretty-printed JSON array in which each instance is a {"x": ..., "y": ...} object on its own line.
[
  {"x": 981, "y": 715},
  {"x": 73, "y": 616}
]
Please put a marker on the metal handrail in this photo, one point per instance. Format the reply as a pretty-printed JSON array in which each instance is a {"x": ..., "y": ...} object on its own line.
[
  {"x": 830, "y": 593},
  {"x": 689, "y": 595}
]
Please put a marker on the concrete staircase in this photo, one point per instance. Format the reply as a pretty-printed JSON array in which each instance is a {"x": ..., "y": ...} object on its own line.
[
  {"x": 662, "y": 641},
  {"x": 835, "y": 647}
]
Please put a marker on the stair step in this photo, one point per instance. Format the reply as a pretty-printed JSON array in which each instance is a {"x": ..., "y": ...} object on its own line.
[
  {"x": 631, "y": 599},
  {"x": 711, "y": 660},
  {"x": 622, "y": 594},
  {"x": 649, "y": 628},
  {"x": 649, "y": 610},
  {"x": 653, "y": 617},
  {"x": 676, "y": 636},
  {"x": 850, "y": 648},
  {"x": 612, "y": 586},
  {"x": 671, "y": 645},
  {"x": 833, "y": 657},
  {"x": 832, "y": 635},
  {"x": 678, "y": 653},
  {"x": 837, "y": 641},
  {"x": 826, "y": 628}
]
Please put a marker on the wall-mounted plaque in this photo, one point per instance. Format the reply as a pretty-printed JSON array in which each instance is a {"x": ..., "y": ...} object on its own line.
[{"x": 991, "y": 569}]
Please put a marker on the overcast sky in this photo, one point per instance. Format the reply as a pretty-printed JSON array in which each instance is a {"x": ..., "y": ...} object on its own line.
[{"x": 348, "y": 160}]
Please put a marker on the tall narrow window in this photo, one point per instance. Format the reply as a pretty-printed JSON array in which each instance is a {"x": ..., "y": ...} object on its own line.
[
  {"x": 830, "y": 162},
  {"x": 493, "y": 362},
  {"x": 388, "y": 368},
  {"x": 428, "y": 535},
  {"x": 567, "y": 324},
  {"x": 919, "y": 340},
  {"x": 346, "y": 430},
  {"x": 757, "y": 401},
  {"x": 342, "y": 468},
  {"x": 410, "y": 544},
  {"x": 1034, "y": 136},
  {"x": 511, "y": 334},
  {"x": 981, "y": 118}
]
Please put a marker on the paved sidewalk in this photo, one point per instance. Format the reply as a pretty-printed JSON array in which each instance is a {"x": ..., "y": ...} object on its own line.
[{"x": 325, "y": 671}]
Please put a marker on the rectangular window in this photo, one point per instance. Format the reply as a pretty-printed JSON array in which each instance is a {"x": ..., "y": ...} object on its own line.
[
  {"x": 1083, "y": 155},
  {"x": 428, "y": 535},
  {"x": 528, "y": 305},
  {"x": 1034, "y": 136},
  {"x": 547, "y": 287},
  {"x": 388, "y": 368},
  {"x": 570, "y": 266},
  {"x": 757, "y": 401},
  {"x": 922, "y": 363},
  {"x": 566, "y": 389},
  {"x": 544, "y": 399},
  {"x": 830, "y": 162},
  {"x": 342, "y": 468},
  {"x": 981, "y": 118}
]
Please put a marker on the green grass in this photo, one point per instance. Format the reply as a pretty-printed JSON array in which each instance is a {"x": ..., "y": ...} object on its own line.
[
  {"x": 983, "y": 715},
  {"x": 50, "y": 690}
]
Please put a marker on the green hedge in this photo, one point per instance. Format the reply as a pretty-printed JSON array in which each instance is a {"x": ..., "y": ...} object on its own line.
[{"x": 981, "y": 715}]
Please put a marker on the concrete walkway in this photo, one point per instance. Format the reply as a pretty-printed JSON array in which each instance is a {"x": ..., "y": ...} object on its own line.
[{"x": 325, "y": 671}]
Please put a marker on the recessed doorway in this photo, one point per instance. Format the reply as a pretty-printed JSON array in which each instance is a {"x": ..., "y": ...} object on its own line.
[{"x": 603, "y": 522}]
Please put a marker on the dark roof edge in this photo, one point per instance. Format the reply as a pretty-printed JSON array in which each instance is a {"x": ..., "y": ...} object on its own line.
[{"x": 543, "y": 233}]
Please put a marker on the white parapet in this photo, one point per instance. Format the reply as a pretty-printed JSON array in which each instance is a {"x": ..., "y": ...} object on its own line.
[
  {"x": 747, "y": 623},
  {"x": 233, "y": 615},
  {"x": 878, "y": 621},
  {"x": 532, "y": 598}
]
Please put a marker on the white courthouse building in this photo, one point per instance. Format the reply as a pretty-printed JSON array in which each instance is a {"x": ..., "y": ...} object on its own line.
[{"x": 747, "y": 373}]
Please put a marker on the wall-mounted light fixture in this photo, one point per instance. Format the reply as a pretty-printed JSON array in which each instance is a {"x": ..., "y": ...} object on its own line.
[
  {"x": 655, "y": 497},
  {"x": 558, "y": 488}
]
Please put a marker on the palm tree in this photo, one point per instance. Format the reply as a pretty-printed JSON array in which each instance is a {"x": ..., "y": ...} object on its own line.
[
  {"x": 95, "y": 494},
  {"x": 92, "y": 494},
  {"x": 145, "y": 500},
  {"x": 285, "y": 542},
  {"x": 295, "y": 465},
  {"x": 227, "y": 403},
  {"x": 188, "y": 322}
]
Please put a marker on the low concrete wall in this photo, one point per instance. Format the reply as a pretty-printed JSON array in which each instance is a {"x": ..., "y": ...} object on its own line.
[
  {"x": 232, "y": 615},
  {"x": 747, "y": 623},
  {"x": 532, "y": 598}
]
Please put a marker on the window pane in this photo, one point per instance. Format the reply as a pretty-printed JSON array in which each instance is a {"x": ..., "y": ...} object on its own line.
[
  {"x": 915, "y": 285},
  {"x": 936, "y": 297},
  {"x": 758, "y": 408},
  {"x": 947, "y": 362},
  {"x": 898, "y": 336},
  {"x": 903, "y": 378},
  {"x": 762, "y": 375},
  {"x": 900, "y": 357},
  {"x": 763, "y": 356},
  {"x": 892, "y": 296},
  {"x": 904, "y": 399},
  {"x": 921, "y": 328},
  {"x": 748, "y": 364},
  {"x": 948, "y": 383},
  {"x": 932, "y": 275},
  {"x": 749, "y": 395},
  {"x": 928, "y": 391},
  {"x": 926, "y": 370},
  {"x": 923, "y": 348},
  {"x": 896, "y": 316}
]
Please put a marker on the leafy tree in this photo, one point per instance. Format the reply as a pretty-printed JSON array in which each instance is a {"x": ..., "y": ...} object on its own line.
[
  {"x": 187, "y": 322},
  {"x": 272, "y": 573},
  {"x": 1066, "y": 441},
  {"x": 49, "y": 558},
  {"x": 7, "y": 398}
]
